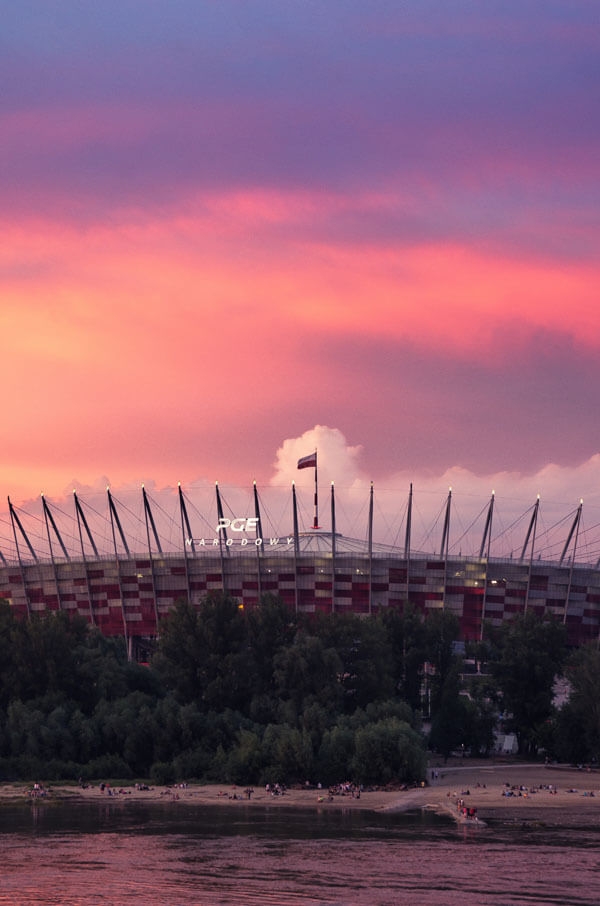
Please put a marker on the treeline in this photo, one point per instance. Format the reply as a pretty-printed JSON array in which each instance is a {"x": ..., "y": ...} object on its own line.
[{"x": 263, "y": 695}]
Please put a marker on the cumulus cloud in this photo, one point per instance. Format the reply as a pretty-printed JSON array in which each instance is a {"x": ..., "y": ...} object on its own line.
[
  {"x": 337, "y": 460},
  {"x": 559, "y": 490}
]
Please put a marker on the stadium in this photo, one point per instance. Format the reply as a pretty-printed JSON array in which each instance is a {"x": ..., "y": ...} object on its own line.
[{"x": 124, "y": 568}]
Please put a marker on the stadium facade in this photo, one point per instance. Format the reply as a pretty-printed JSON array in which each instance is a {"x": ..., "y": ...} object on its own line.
[{"x": 125, "y": 593}]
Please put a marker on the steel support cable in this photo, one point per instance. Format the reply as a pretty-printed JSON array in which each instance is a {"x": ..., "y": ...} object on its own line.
[
  {"x": 271, "y": 520},
  {"x": 544, "y": 544},
  {"x": 72, "y": 538},
  {"x": 137, "y": 519},
  {"x": 469, "y": 528},
  {"x": 163, "y": 539},
  {"x": 379, "y": 512},
  {"x": 433, "y": 527},
  {"x": 41, "y": 537},
  {"x": 195, "y": 510}
]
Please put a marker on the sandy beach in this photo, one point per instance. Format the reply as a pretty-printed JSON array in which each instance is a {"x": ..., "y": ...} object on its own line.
[
  {"x": 507, "y": 792},
  {"x": 520, "y": 793}
]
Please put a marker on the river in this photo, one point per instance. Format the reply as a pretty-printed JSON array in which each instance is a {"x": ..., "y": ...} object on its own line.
[{"x": 172, "y": 854}]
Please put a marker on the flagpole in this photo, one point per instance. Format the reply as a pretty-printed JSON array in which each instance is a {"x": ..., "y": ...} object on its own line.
[
  {"x": 296, "y": 544},
  {"x": 310, "y": 462},
  {"x": 316, "y": 518},
  {"x": 332, "y": 549}
]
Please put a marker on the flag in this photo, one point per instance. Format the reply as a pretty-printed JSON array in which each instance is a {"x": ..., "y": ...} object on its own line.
[{"x": 308, "y": 462}]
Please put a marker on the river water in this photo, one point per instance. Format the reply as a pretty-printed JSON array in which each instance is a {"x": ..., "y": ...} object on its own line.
[{"x": 172, "y": 854}]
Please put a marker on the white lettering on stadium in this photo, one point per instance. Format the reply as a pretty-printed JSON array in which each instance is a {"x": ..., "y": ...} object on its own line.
[
  {"x": 238, "y": 542},
  {"x": 239, "y": 525},
  {"x": 245, "y": 524}
]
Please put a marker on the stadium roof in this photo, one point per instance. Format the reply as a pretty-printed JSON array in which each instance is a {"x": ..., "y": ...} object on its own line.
[{"x": 100, "y": 525}]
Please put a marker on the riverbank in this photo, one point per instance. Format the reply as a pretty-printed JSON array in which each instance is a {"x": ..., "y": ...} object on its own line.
[
  {"x": 507, "y": 792},
  {"x": 519, "y": 793}
]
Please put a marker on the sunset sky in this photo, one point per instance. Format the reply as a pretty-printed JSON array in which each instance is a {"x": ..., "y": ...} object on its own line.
[{"x": 234, "y": 231}]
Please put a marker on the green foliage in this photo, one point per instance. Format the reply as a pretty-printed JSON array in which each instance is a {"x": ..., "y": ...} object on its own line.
[
  {"x": 407, "y": 635},
  {"x": 287, "y": 755},
  {"x": 526, "y": 656},
  {"x": 364, "y": 650},
  {"x": 246, "y": 758},
  {"x": 204, "y": 654},
  {"x": 308, "y": 672},
  {"x": 162, "y": 772},
  {"x": 481, "y": 717},
  {"x": 258, "y": 695},
  {"x": 577, "y": 729},
  {"x": 449, "y": 724},
  {"x": 336, "y": 753},
  {"x": 381, "y": 710},
  {"x": 441, "y": 631},
  {"x": 388, "y": 750}
]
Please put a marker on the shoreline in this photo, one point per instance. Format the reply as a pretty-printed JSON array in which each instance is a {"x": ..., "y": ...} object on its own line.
[
  {"x": 518, "y": 793},
  {"x": 500, "y": 792}
]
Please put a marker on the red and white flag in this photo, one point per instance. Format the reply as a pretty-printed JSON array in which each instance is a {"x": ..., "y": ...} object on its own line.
[{"x": 308, "y": 462}]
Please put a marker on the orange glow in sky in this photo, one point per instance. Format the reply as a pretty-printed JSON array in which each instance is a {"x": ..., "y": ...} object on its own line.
[{"x": 208, "y": 251}]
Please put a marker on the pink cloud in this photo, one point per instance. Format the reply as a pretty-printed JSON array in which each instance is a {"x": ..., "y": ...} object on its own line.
[{"x": 560, "y": 490}]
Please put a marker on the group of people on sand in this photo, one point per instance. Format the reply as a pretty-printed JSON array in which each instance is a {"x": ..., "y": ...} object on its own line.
[
  {"x": 341, "y": 789},
  {"x": 519, "y": 790},
  {"x": 346, "y": 789},
  {"x": 107, "y": 788},
  {"x": 275, "y": 789},
  {"x": 466, "y": 812},
  {"x": 38, "y": 791},
  {"x": 248, "y": 793}
]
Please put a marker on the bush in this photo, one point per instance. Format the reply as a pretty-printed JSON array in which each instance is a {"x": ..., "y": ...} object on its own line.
[
  {"x": 192, "y": 764},
  {"x": 105, "y": 766},
  {"x": 389, "y": 750},
  {"x": 162, "y": 773}
]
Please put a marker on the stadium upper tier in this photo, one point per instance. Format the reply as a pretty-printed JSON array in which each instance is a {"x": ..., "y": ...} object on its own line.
[{"x": 125, "y": 581}]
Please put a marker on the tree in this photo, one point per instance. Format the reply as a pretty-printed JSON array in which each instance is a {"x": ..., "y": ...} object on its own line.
[
  {"x": 388, "y": 750},
  {"x": 44, "y": 656},
  {"x": 578, "y": 725},
  {"x": 407, "y": 636},
  {"x": 178, "y": 659},
  {"x": 442, "y": 629},
  {"x": 449, "y": 724},
  {"x": 287, "y": 755},
  {"x": 526, "y": 656},
  {"x": 364, "y": 649},
  {"x": 481, "y": 716},
  {"x": 335, "y": 753},
  {"x": 203, "y": 654},
  {"x": 307, "y": 672},
  {"x": 270, "y": 629}
]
